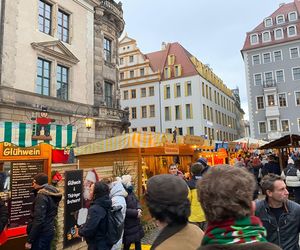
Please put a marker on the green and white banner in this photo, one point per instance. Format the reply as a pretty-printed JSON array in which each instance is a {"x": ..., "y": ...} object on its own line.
[{"x": 20, "y": 134}]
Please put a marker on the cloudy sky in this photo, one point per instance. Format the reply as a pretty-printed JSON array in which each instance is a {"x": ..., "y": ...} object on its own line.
[{"x": 213, "y": 31}]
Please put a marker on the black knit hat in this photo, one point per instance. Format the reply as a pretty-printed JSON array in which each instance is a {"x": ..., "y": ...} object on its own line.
[
  {"x": 41, "y": 179},
  {"x": 167, "y": 189}
]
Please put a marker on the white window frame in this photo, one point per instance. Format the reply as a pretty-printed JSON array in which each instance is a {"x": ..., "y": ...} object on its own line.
[
  {"x": 263, "y": 56},
  {"x": 288, "y": 31},
  {"x": 293, "y": 73},
  {"x": 269, "y": 125},
  {"x": 259, "y": 61},
  {"x": 274, "y": 100},
  {"x": 281, "y": 128},
  {"x": 257, "y": 102},
  {"x": 263, "y": 39},
  {"x": 277, "y": 17},
  {"x": 290, "y": 49},
  {"x": 261, "y": 77},
  {"x": 291, "y": 13},
  {"x": 298, "y": 123},
  {"x": 282, "y": 75},
  {"x": 286, "y": 100},
  {"x": 268, "y": 19},
  {"x": 275, "y": 34},
  {"x": 257, "y": 39},
  {"x": 274, "y": 60},
  {"x": 259, "y": 131},
  {"x": 267, "y": 73},
  {"x": 296, "y": 97}
]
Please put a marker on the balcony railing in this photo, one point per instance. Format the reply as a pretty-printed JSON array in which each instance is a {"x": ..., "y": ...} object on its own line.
[
  {"x": 269, "y": 84},
  {"x": 112, "y": 6}
]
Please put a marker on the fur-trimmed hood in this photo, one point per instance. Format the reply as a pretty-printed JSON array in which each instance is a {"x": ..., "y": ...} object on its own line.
[{"x": 51, "y": 191}]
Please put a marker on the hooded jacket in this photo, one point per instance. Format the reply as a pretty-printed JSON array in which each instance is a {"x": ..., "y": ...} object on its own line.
[
  {"x": 291, "y": 175},
  {"x": 43, "y": 213}
]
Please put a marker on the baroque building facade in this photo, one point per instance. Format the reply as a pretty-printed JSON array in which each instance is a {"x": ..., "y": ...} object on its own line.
[{"x": 61, "y": 55}]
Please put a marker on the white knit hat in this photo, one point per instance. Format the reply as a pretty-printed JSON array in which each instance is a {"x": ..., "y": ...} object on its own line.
[
  {"x": 290, "y": 161},
  {"x": 126, "y": 180}
]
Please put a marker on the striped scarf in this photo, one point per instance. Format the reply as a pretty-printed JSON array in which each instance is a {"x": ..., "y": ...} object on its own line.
[{"x": 242, "y": 231}]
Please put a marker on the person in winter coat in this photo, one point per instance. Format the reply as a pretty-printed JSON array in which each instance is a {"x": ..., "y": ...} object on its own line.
[
  {"x": 167, "y": 200},
  {"x": 133, "y": 230},
  {"x": 117, "y": 195},
  {"x": 225, "y": 194},
  {"x": 3, "y": 215},
  {"x": 291, "y": 175},
  {"x": 272, "y": 167},
  {"x": 280, "y": 216},
  {"x": 41, "y": 229},
  {"x": 197, "y": 216},
  {"x": 95, "y": 228}
]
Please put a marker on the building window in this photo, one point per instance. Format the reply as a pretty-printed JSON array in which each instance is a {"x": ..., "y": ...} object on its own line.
[
  {"x": 277, "y": 56},
  {"x": 143, "y": 92},
  {"x": 294, "y": 52},
  {"x": 167, "y": 92},
  {"x": 279, "y": 76},
  {"x": 168, "y": 114},
  {"x": 296, "y": 73},
  {"x": 133, "y": 113},
  {"x": 292, "y": 16},
  {"x": 268, "y": 22},
  {"x": 188, "y": 89},
  {"x": 177, "y": 90},
  {"x": 190, "y": 130},
  {"x": 168, "y": 130},
  {"x": 257, "y": 79},
  {"x": 268, "y": 78},
  {"x": 266, "y": 36},
  {"x": 43, "y": 77},
  {"x": 292, "y": 31},
  {"x": 273, "y": 125},
  {"x": 297, "y": 97},
  {"x": 63, "y": 26},
  {"x": 167, "y": 72},
  {"x": 121, "y": 61},
  {"x": 180, "y": 131},
  {"x": 122, "y": 76},
  {"x": 254, "y": 39},
  {"x": 130, "y": 59},
  {"x": 267, "y": 57},
  {"x": 144, "y": 111},
  {"x": 142, "y": 72},
  {"x": 204, "y": 111},
  {"x": 45, "y": 16},
  {"x": 255, "y": 59},
  {"x": 125, "y": 95},
  {"x": 285, "y": 126},
  {"x": 282, "y": 100},
  {"x": 262, "y": 127},
  {"x": 271, "y": 100},
  {"x": 177, "y": 70},
  {"x": 177, "y": 112},
  {"x": 151, "y": 91},
  {"x": 260, "y": 102},
  {"x": 62, "y": 80},
  {"x": 131, "y": 74},
  {"x": 133, "y": 94},
  {"x": 108, "y": 94},
  {"x": 152, "y": 110},
  {"x": 298, "y": 121},
  {"x": 134, "y": 129},
  {"x": 280, "y": 19},
  {"x": 107, "y": 49},
  {"x": 152, "y": 129},
  {"x": 203, "y": 89},
  {"x": 278, "y": 34},
  {"x": 144, "y": 129}
]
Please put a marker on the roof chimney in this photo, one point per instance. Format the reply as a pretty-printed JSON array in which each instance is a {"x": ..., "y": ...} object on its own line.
[{"x": 163, "y": 46}]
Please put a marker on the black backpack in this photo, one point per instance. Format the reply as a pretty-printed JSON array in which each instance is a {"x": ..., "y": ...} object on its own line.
[{"x": 115, "y": 225}]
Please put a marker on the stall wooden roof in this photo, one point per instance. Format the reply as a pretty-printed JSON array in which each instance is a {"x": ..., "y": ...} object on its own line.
[{"x": 283, "y": 142}]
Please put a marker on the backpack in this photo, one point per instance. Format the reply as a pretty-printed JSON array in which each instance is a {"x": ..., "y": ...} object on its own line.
[{"x": 115, "y": 225}]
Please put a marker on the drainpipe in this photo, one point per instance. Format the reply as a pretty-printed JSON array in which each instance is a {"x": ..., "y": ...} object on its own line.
[
  {"x": 2, "y": 35},
  {"x": 160, "y": 111}
]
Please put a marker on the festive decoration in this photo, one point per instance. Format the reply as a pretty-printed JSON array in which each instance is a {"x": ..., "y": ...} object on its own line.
[{"x": 41, "y": 130}]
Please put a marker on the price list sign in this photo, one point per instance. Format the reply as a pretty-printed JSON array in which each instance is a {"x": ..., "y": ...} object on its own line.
[{"x": 21, "y": 184}]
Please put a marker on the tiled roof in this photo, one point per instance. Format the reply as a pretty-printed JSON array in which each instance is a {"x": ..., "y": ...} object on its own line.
[{"x": 282, "y": 10}]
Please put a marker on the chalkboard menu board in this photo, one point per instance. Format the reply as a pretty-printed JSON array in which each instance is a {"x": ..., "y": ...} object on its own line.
[
  {"x": 21, "y": 200},
  {"x": 73, "y": 204}
]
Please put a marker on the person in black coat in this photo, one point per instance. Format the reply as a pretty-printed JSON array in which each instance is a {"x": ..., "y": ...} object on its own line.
[
  {"x": 133, "y": 230},
  {"x": 95, "y": 229},
  {"x": 3, "y": 215}
]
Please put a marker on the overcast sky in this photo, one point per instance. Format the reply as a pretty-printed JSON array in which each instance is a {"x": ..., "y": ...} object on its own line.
[{"x": 213, "y": 31}]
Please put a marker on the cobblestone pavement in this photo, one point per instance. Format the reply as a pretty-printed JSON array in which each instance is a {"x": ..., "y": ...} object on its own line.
[{"x": 150, "y": 236}]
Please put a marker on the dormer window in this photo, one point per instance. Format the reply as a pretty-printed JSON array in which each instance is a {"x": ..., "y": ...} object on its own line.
[
  {"x": 293, "y": 16},
  {"x": 278, "y": 34},
  {"x": 254, "y": 39},
  {"x": 266, "y": 36},
  {"x": 268, "y": 22},
  {"x": 280, "y": 19},
  {"x": 292, "y": 31}
]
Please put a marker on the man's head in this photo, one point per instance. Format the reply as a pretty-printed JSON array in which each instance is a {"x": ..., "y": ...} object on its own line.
[
  {"x": 100, "y": 189},
  {"x": 173, "y": 169},
  {"x": 226, "y": 192},
  {"x": 196, "y": 169},
  {"x": 274, "y": 188},
  {"x": 167, "y": 199},
  {"x": 39, "y": 180},
  {"x": 203, "y": 161}
]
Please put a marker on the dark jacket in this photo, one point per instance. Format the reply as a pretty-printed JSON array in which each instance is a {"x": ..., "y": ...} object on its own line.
[
  {"x": 133, "y": 230},
  {"x": 3, "y": 215},
  {"x": 250, "y": 246},
  {"x": 43, "y": 213},
  {"x": 271, "y": 167},
  {"x": 94, "y": 230},
  {"x": 285, "y": 233}
]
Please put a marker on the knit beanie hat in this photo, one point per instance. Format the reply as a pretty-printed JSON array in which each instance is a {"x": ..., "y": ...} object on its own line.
[
  {"x": 167, "y": 189},
  {"x": 41, "y": 179},
  {"x": 126, "y": 180},
  {"x": 290, "y": 161},
  {"x": 203, "y": 161}
]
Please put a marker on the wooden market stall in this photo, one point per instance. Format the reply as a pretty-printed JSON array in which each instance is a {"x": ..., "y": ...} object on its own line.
[{"x": 145, "y": 154}]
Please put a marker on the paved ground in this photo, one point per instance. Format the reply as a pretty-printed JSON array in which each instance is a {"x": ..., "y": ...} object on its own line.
[{"x": 150, "y": 236}]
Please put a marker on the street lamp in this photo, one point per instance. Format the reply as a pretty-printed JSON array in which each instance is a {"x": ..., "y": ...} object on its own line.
[{"x": 88, "y": 123}]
